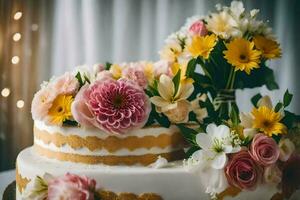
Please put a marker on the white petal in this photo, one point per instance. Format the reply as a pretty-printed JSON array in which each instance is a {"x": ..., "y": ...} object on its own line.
[
  {"x": 246, "y": 120},
  {"x": 250, "y": 132},
  {"x": 166, "y": 87},
  {"x": 219, "y": 161},
  {"x": 222, "y": 131},
  {"x": 204, "y": 141},
  {"x": 227, "y": 149},
  {"x": 211, "y": 129},
  {"x": 265, "y": 101},
  {"x": 185, "y": 90}
]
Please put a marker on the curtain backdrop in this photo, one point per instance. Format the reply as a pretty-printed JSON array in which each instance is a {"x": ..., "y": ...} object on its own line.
[{"x": 59, "y": 35}]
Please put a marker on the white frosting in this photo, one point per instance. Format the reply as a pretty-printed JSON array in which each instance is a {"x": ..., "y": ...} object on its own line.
[
  {"x": 84, "y": 132},
  {"x": 103, "y": 152},
  {"x": 172, "y": 183}
]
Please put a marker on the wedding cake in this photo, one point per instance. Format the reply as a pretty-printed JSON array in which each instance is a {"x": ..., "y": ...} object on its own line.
[{"x": 171, "y": 129}]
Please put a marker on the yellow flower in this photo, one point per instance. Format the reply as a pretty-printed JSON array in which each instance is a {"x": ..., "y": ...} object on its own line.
[
  {"x": 241, "y": 54},
  {"x": 116, "y": 71},
  {"x": 175, "y": 67},
  {"x": 149, "y": 72},
  {"x": 268, "y": 121},
  {"x": 270, "y": 49},
  {"x": 174, "y": 105},
  {"x": 60, "y": 109},
  {"x": 171, "y": 52},
  {"x": 202, "y": 45}
]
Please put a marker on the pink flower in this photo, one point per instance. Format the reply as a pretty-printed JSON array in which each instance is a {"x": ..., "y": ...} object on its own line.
[
  {"x": 71, "y": 187},
  {"x": 42, "y": 102},
  {"x": 115, "y": 106},
  {"x": 136, "y": 74},
  {"x": 66, "y": 84},
  {"x": 291, "y": 176},
  {"x": 264, "y": 150},
  {"x": 162, "y": 67},
  {"x": 198, "y": 28},
  {"x": 242, "y": 171}
]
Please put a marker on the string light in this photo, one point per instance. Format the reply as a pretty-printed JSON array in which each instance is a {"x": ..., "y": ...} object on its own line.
[
  {"x": 17, "y": 15},
  {"x": 20, "y": 103},
  {"x": 34, "y": 27},
  {"x": 15, "y": 60},
  {"x": 5, "y": 92},
  {"x": 17, "y": 37}
]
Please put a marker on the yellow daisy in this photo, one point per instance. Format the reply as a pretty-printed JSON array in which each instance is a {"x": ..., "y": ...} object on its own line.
[
  {"x": 116, "y": 71},
  {"x": 270, "y": 49},
  {"x": 241, "y": 54},
  {"x": 202, "y": 45},
  {"x": 268, "y": 121},
  {"x": 60, "y": 109}
]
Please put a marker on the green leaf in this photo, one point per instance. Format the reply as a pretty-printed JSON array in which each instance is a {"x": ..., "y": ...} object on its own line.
[
  {"x": 176, "y": 81},
  {"x": 191, "y": 150},
  {"x": 188, "y": 133},
  {"x": 278, "y": 106},
  {"x": 290, "y": 119},
  {"x": 258, "y": 77},
  {"x": 70, "y": 123},
  {"x": 107, "y": 66},
  {"x": 287, "y": 98},
  {"x": 255, "y": 99},
  {"x": 78, "y": 76},
  {"x": 86, "y": 79},
  {"x": 191, "y": 68},
  {"x": 234, "y": 114}
]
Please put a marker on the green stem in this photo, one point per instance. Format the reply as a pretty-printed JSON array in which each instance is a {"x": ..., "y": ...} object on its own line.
[
  {"x": 203, "y": 68},
  {"x": 232, "y": 80},
  {"x": 229, "y": 79}
]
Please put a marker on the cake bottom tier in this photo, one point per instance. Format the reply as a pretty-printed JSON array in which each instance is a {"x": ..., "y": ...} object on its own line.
[{"x": 172, "y": 183}]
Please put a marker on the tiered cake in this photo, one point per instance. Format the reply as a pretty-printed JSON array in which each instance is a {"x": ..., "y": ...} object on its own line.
[{"x": 165, "y": 130}]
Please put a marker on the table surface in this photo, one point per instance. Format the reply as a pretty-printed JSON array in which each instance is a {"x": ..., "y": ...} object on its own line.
[{"x": 6, "y": 178}]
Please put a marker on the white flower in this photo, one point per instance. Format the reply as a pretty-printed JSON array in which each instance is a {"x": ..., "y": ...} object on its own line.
[
  {"x": 214, "y": 146},
  {"x": 37, "y": 189},
  {"x": 286, "y": 148},
  {"x": 237, "y": 8},
  {"x": 222, "y": 24}
]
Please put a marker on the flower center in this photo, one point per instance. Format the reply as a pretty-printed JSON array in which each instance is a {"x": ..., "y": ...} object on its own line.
[
  {"x": 267, "y": 123},
  {"x": 118, "y": 101},
  {"x": 60, "y": 109},
  {"x": 243, "y": 58},
  {"x": 218, "y": 145}
]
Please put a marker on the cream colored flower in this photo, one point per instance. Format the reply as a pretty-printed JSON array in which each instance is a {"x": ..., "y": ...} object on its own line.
[
  {"x": 222, "y": 24},
  {"x": 174, "y": 105},
  {"x": 286, "y": 148},
  {"x": 171, "y": 51}
]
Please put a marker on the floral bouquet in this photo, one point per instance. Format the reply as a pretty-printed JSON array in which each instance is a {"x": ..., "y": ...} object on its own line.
[{"x": 193, "y": 87}]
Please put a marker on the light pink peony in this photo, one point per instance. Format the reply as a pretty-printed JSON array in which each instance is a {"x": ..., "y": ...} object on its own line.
[
  {"x": 264, "y": 150},
  {"x": 198, "y": 28},
  {"x": 115, "y": 106},
  {"x": 243, "y": 172},
  {"x": 71, "y": 187},
  {"x": 66, "y": 84},
  {"x": 136, "y": 74},
  {"x": 42, "y": 102}
]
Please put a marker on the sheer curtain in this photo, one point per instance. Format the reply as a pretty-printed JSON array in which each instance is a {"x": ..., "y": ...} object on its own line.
[{"x": 72, "y": 33}]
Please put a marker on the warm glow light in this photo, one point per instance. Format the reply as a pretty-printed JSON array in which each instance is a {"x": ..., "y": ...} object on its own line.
[
  {"x": 5, "y": 92},
  {"x": 15, "y": 60},
  {"x": 34, "y": 27},
  {"x": 17, "y": 15},
  {"x": 20, "y": 104},
  {"x": 17, "y": 37}
]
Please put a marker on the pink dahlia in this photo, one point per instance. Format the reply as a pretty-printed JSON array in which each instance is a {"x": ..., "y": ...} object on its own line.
[
  {"x": 115, "y": 106},
  {"x": 66, "y": 84},
  {"x": 135, "y": 73},
  {"x": 72, "y": 187}
]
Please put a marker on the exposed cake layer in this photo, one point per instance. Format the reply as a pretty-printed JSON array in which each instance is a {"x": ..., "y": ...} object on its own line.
[
  {"x": 171, "y": 183},
  {"x": 94, "y": 146}
]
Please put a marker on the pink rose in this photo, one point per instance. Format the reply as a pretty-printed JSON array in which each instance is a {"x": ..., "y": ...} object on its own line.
[
  {"x": 198, "y": 28},
  {"x": 242, "y": 171},
  {"x": 264, "y": 150},
  {"x": 114, "y": 106},
  {"x": 66, "y": 84},
  {"x": 71, "y": 187}
]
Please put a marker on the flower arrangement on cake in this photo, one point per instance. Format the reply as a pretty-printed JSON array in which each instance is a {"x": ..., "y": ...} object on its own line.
[{"x": 193, "y": 88}]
